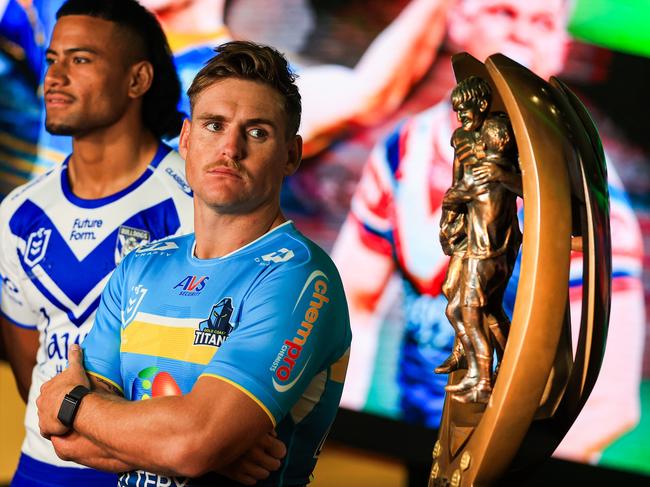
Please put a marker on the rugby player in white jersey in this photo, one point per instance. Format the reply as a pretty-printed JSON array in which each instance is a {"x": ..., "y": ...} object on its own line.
[{"x": 112, "y": 86}]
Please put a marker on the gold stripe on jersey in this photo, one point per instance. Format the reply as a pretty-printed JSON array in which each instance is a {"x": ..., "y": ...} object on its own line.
[
  {"x": 245, "y": 391},
  {"x": 159, "y": 340},
  {"x": 340, "y": 367}
]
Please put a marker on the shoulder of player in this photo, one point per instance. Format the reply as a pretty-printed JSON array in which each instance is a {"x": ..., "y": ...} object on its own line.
[
  {"x": 18, "y": 195},
  {"x": 300, "y": 257},
  {"x": 171, "y": 173},
  {"x": 164, "y": 247}
]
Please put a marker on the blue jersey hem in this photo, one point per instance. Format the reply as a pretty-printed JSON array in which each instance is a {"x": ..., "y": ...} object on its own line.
[
  {"x": 17, "y": 323},
  {"x": 33, "y": 473}
]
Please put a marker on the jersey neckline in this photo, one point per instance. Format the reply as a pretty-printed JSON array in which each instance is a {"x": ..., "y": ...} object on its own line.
[
  {"x": 161, "y": 152},
  {"x": 286, "y": 225}
]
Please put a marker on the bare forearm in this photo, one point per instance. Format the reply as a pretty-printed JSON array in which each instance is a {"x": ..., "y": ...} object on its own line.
[
  {"x": 146, "y": 434},
  {"x": 21, "y": 346},
  {"x": 411, "y": 40},
  {"x": 77, "y": 448}
]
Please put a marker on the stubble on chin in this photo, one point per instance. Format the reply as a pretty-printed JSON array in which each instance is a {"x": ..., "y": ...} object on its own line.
[{"x": 59, "y": 128}]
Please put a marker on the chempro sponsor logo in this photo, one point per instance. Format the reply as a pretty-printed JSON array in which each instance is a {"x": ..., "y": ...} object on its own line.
[
  {"x": 191, "y": 285},
  {"x": 287, "y": 358}
]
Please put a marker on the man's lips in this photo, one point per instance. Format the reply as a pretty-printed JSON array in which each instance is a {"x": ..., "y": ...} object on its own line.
[
  {"x": 224, "y": 171},
  {"x": 57, "y": 98}
]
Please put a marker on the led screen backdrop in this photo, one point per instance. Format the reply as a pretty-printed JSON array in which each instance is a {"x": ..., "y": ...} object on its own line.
[{"x": 375, "y": 78}]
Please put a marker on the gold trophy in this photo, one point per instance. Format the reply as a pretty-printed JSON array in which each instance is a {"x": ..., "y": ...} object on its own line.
[{"x": 515, "y": 388}]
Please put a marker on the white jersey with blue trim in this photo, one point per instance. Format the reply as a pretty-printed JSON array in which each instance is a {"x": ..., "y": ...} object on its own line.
[
  {"x": 270, "y": 319},
  {"x": 58, "y": 251}
]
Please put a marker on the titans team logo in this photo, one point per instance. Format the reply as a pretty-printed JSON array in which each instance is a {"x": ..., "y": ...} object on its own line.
[
  {"x": 217, "y": 327},
  {"x": 128, "y": 239},
  {"x": 36, "y": 246}
]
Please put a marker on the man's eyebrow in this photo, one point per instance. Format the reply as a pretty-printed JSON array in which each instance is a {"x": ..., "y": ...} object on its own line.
[
  {"x": 213, "y": 117},
  {"x": 73, "y": 50},
  {"x": 260, "y": 121}
]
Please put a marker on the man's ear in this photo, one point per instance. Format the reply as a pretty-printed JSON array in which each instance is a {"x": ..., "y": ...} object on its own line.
[
  {"x": 140, "y": 79},
  {"x": 294, "y": 156},
  {"x": 183, "y": 140}
]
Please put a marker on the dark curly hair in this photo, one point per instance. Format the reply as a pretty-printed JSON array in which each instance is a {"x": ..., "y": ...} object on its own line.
[
  {"x": 146, "y": 41},
  {"x": 256, "y": 62},
  {"x": 471, "y": 88}
]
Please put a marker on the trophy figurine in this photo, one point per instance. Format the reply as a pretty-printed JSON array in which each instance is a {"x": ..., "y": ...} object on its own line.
[{"x": 514, "y": 389}]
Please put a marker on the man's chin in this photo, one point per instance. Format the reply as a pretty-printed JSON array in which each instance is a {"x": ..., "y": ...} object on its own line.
[{"x": 60, "y": 129}]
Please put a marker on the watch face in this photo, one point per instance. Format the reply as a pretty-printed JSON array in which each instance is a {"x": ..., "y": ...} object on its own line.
[
  {"x": 67, "y": 410},
  {"x": 70, "y": 404}
]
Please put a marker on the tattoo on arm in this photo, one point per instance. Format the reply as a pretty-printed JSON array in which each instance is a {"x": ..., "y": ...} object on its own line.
[{"x": 100, "y": 383}]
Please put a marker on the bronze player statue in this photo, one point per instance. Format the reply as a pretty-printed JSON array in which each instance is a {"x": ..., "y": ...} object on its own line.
[
  {"x": 497, "y": 430},
  {"x": 480, "y": 230}
]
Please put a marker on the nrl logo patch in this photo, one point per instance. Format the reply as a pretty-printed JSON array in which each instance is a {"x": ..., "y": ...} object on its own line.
[
  {"x": 134, "y": 300},
  {"x": 128, "y": 239},
  {"x": 37, "y": 246},
  {"x": 217, "y": 327}
]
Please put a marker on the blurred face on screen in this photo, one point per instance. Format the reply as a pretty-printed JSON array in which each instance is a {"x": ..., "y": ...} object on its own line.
[
  {"x": 532, "y": 32},
  {"x": 156, "y": 5}
]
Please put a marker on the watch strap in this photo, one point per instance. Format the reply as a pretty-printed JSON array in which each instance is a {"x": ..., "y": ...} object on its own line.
[{"x": 70, "y": 405}]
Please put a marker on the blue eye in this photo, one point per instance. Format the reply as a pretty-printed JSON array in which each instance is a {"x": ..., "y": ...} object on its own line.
[
  {"x": 214, "y": 126},
  {"x": 257, "y": 133}
]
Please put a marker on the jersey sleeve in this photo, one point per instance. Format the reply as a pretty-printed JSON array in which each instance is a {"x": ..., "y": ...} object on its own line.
[
  {"x": 13, "y": 299},
  {"x": 102, "y": 345},
  {"x": 293, "y": 325},
  {"x": 372, "y": 202}
]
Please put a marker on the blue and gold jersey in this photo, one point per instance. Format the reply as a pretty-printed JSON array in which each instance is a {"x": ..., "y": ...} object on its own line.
[{"x": 270, "y": 319}]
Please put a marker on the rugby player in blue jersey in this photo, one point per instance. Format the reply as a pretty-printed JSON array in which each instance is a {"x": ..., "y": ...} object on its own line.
[
  {"x": 112, "y": 86},
  {"x": 217, "y": 338}
]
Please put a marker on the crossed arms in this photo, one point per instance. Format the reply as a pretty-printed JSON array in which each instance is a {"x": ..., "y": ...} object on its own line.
[{"x": 178, "y": 436}]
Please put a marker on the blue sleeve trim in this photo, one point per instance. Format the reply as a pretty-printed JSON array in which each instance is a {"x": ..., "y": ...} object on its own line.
[{"x": 17, "y": 323}]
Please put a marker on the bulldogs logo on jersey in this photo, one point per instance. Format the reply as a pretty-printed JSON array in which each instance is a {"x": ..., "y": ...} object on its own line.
[
  {"x": 217, "y": 327},
  {"x": 128, "y": 239},
  {"x": 37, "y": 246}
]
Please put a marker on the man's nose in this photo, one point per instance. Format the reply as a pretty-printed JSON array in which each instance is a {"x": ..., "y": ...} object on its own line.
[
  {"x": 233, "y": 144},
  {"x": 522, "y": 29},
  {"x": 56, "y": 75}
]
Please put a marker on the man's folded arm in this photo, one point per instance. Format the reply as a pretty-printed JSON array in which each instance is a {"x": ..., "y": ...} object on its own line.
[
  {"x": 77, "y": 448},
  {"x": 181, "y": 435}
]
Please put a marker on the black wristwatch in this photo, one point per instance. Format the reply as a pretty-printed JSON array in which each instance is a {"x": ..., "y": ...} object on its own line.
[{"x": 70, "y": 405}]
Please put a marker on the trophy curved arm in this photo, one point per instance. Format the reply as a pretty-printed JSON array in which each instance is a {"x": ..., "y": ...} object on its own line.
[{"x": 565, "y": 191}]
